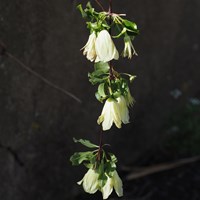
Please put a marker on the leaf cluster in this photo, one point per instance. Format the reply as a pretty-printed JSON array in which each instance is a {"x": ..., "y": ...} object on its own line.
[{"x": 97, "y": 21}]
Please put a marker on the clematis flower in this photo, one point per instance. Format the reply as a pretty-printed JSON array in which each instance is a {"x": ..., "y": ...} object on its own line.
[
  {"x": 105, "y": 48},
  {"x": 90, "y": 181},
  {"x": 129, "y": 49},
  {"x": 113, "y": 182},
  {"x": 89, "y": 48},
  {"x": 114, "y": 111}
]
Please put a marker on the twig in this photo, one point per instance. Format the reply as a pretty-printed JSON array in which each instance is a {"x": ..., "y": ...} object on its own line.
[
  {"x": 100, "y": 5},
  {"x": 139, "y": 173},
  {"x": 4, "y": 52}
]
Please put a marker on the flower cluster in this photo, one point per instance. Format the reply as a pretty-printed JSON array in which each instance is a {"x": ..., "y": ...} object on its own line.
[
  {"x": 113, "y": 90},
  {"x": 101, "y": 50},
  {"x": 91, "y": 184},
  {"x": 101, "y": 174}
]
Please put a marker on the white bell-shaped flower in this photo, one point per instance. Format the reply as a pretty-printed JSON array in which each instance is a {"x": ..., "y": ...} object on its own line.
[
  {"x": 114, "y": 110},
  {"x": 89, "y": 48},
  {"x": 90, "y": 181},
  {"x": 105, "y": 47},
  {"x": 113, "y": 182}
]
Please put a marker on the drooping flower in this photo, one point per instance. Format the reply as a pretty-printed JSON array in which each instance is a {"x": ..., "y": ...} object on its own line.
[
  {"x": 105, "y": 47},
  {"x": 89, "y": 48},
  {"x": 129, "y": 99},
  {"x": 90, "y": 181},
  {"x": 114, "y": 110},
  {"x": 129, "y": 49},
  {"x": 112, "y": 182}
]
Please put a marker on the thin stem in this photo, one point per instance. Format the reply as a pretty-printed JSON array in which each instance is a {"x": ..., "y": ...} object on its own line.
[
  {"x": 42, "y": 78},
  {"x": 100, "y": 146},
  {"x": 110, "y": 6},
  {"x": 111, "y": 76},
  {"x": 100, "y": 5}
]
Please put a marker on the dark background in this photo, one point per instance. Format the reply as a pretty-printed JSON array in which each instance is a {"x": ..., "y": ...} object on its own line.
[{"x": 37, "y": 122}]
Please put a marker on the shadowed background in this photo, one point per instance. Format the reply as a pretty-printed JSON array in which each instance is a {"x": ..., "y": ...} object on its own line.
[{"x": 37, "y": 122}]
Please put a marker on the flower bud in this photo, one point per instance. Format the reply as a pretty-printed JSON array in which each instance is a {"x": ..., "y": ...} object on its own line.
[{"x": 129, "y": 50}]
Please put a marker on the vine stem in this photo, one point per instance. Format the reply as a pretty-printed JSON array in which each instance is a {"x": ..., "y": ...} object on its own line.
[
  {"x": 100, "y": 146},
  {"x": 111, "y": 75},
  {"x": 110, "y": 31}
]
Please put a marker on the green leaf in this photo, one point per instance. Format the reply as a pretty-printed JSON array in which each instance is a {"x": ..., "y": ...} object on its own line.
[
  {"x": 98, "y": 97},
  {"x": 78, "y": 157},
  {"x": 131, "y": 26},
  {"x": 110, "y": 165},
  {"x": 100, "y": 73},
  {"x": 101, "y": 66},
  {"x": 101, "y": 90},
  {"x": 102, "y": 175},
  {"x": 113, "y": 157},
  {"x": 86, "y": 143}
]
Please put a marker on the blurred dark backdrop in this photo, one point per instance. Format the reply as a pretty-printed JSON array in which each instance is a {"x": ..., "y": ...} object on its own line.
[{"x": 37, "y": 122}]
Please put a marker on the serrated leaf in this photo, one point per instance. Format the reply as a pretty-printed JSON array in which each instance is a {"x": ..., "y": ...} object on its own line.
[
  {"x": 78, "y": 157},
  {"x": 86, "y": 143},
  {"x": 100, "y": 73}
]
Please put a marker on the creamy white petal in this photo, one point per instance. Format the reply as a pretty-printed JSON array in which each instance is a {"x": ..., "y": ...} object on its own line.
[
  {"x": 89, "y": 48},
  {"x": 108, "y": 188},
  {"x": 123, "y": 109},
  {"x": 114, "y": 111},
  {"x": 105, "y": 48},
  {"x": 108, "y": 119},
  {"x": 118, "y": 185},
  {"x": 90, "y": 181},
  {"x": 116, "y": 114}
]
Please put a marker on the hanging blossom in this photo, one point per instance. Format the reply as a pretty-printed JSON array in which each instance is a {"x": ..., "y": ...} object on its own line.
[
  {"x": 114, "y": 110},
  {"x": 129, "y": 99},
  {"x": 112, "y": 182},
  {"x": 90, "y": 181},
  {"x": 89, "y": 48},
  {"x": 100, "y": 48},
  {"x": 129, "y": 49},
  {"x": 91, "y": 184},
  {"x": 105, "y": 47}
]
